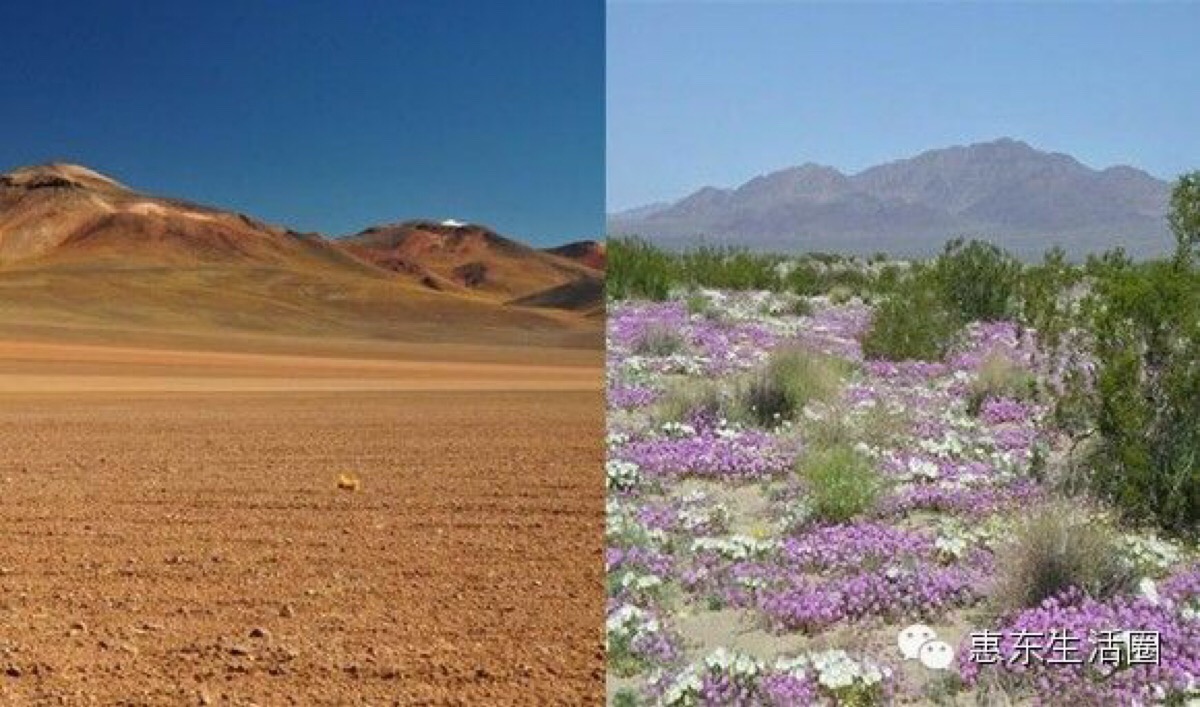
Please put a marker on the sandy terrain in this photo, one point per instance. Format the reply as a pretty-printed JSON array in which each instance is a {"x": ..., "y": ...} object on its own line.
[
  {"x": 30, "y": 367},
  {"x": 174, "y": 533}
]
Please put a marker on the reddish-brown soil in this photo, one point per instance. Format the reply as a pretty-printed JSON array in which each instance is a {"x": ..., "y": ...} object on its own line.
[
  {"x": 173, "y": 531},
  {"x": 472, "y": 257},
  {"x": 80, "y": 250},
  {"x": 590, "y": 253}
]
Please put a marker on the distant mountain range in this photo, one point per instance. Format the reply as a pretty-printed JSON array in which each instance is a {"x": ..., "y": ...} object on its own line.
[{"x": 1005, "y": 191}]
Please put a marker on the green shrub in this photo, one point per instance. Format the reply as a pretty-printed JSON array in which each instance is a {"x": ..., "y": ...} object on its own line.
[
  {"x": 841, "y": 483},
  {"x": 888, "y": 279},
  {"x": 1184, "y": 216},
  {"x": 1139, "y": 411},
  {"x": 622, "y": 660},
  {"x": 791, "y": 378},
  {"x": 1043, "y": 297},
  {"x": 730, "y": 269},
  {"x": 1146, "y": 322},
  {"x": 976, "y": 279},
  {"x": 697, "y": 303},
  {"x": 802, "y": 279},
  {"x": 911, "y": 324},
  {"x": 1057, "y": 547},
  {"x": 637, "y": 269}
]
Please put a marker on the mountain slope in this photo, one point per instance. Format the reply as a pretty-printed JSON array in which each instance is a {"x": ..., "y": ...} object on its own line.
[
  {"x": 465, "y": 257},
  {"x": 588, "y": 253},
  {"x": 79, "y": 250},
  {"x": 65, "y": 213},
  {"x": 1005, "y": 190},
  {"x": 584, "y": 295}
]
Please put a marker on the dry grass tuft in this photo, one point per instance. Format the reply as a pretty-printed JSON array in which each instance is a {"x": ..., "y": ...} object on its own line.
[
  {"x": 688, "y": 399},
  {"x": 659, "y": 341},
  {"x": 792, "y": 378},
  {"x": 1059, "y": 546},
  {"x": 1001, "y": 377}
]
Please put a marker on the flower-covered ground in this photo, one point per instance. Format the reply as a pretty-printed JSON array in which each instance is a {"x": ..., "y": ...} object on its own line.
[{"x": 726, "y": 588}]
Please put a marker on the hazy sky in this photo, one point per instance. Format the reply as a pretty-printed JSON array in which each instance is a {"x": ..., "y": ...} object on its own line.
[
  {"x": 716, "y": 93},
  {"x": 322, "y": 115}
]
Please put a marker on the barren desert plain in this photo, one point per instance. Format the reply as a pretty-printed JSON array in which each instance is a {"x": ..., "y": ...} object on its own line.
[{"x": 286, "y": 474}]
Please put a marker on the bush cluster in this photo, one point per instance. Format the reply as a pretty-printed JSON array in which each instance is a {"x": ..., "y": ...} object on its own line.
[
  {"x": 640, "y": 270},
  {"x": 1057, "y": 547},
  {"x": 976, "y": 279},
  {"x": 1139, "y": 400},
  {"x": 969, "y": 281},
  {"x": 1146, "y": 322},
  {"x": 791, "y": 378},
  {"x": 637, "y": 269},
  {"x": 841, "y": 483},
  {"x": 911, "y": 324}
]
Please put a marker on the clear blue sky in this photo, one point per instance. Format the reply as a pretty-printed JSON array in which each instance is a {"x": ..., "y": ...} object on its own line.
[
  {"x": 716, "y": 93},
  {"x": 327, "y": 116}
]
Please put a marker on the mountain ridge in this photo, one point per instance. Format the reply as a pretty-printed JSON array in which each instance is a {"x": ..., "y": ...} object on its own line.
[
  {"x": 81, "y": 249},
  {"x": 465, "y": 256},
  {"x": 1004, "y": 190}
]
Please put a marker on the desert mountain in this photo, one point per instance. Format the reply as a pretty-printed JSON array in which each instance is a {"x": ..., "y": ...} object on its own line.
[
  {"x": 1005, "y": 191},
  {"x": 589, "y": 253},
  {"x": 465, "y": 257},
  {"x": 80, "y": 249},
  {"x": 60, "y": 213}
]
